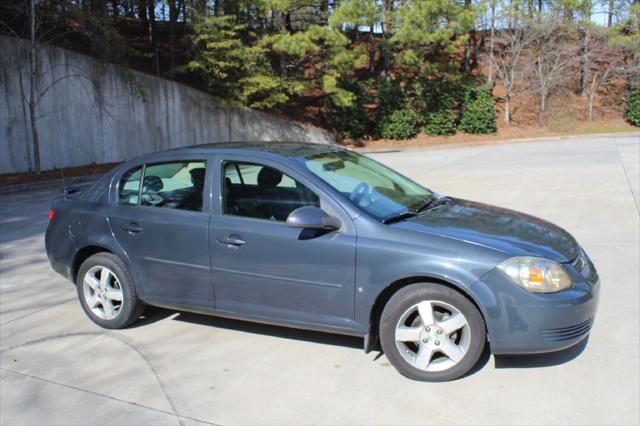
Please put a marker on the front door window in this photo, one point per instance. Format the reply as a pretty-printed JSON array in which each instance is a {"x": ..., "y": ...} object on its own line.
[{"x": 262, "y": 192}]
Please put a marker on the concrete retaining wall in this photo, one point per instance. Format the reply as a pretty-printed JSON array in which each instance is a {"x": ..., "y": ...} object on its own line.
[{"x": 106, "y": 113}]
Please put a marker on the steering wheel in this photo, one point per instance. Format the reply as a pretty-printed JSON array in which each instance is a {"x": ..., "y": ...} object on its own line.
[
  {"x": 359, "y": 191},
  {"x": 152, "y": 198}
]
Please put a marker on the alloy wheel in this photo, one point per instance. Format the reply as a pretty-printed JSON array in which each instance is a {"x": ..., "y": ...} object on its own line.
[
  {"x": 102, "y": 292},
  {"x": 432, "y": 335}
]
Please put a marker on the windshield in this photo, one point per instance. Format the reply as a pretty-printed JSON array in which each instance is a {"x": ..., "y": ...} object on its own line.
[{"x": 374, "y": 188}]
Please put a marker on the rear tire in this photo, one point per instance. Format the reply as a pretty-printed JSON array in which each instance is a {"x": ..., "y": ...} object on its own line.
[
  {"x": 430, "y": 332},
  {"x": 107, "y": 293}
]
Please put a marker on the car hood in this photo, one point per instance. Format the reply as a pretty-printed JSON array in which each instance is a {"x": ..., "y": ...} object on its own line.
[{"x": 497, "y": 228}]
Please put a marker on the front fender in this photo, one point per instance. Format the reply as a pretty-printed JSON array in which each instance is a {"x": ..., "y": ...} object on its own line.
[{"x": 411, "y": 258}]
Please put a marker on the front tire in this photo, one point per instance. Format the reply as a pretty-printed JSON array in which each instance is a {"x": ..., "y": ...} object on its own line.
[
  {"x": 430, "y": 332},
  {"x": 106, "y": 291}
]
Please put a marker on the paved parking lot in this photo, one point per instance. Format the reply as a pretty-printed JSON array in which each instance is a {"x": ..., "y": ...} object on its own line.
[{"x": 56, "y": 367}]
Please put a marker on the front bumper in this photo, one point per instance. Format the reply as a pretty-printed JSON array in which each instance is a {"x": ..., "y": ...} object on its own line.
[{"x": 519, "y": 322}]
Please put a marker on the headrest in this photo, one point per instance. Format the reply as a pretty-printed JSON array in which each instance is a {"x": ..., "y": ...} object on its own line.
[
  {"x": 153, "y": 183},
  {"x": 269, "y": 178},
  {"x": 197, "y": 176}
]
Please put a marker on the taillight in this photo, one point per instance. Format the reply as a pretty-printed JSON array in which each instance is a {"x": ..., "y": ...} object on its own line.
[{"x": 50, "y": 213}]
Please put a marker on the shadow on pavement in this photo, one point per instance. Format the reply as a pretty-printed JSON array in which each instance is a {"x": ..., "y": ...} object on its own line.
[
  {"x": 541, "y": 360},
  {"x": 482, "y": 362},
  {"x": 153, "y": 314}
]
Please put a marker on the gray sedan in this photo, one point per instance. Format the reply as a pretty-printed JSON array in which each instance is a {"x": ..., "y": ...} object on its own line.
[{"x": 320, "y": 237}]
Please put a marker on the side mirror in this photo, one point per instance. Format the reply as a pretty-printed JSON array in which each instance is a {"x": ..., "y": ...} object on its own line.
[{"x": 311, "y": 217}]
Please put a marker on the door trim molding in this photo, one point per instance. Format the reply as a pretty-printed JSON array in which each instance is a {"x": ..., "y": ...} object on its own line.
[
  {"x": 273, "y": 277},
  {"x": 173, "y": 262}
]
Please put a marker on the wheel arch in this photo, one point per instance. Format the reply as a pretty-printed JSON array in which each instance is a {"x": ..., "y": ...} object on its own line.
[
  {"x": 83, "y": 254},
  {"x": 387, "y": 292}
]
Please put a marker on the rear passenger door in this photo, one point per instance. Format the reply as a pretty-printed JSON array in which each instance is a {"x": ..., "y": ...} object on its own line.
[
  {"x": 161, "y": 219},
  {"x": 261, "y": 267}
]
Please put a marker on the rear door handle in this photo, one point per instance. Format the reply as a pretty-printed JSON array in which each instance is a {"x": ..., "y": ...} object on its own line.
[
  {"x": 231, "y": 240},
  {"x": 132, "y": 227}
]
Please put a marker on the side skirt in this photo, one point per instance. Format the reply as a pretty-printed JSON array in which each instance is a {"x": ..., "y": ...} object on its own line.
[{"x": 255, "y": 318}]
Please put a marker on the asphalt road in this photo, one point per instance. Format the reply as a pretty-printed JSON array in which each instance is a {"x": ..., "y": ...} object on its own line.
[{"x": 56, "y": 367}]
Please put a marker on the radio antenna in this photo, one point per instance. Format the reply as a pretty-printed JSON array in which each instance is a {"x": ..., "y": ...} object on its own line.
[{"x": 64, "y": 185}]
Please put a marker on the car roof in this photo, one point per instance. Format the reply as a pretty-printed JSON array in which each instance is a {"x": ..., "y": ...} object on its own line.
[{"x": 282, "y": 149}]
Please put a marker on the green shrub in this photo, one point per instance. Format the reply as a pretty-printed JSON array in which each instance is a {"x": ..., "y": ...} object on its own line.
[
  {"x": 436, "y": 102},
  {"x": 389, "y": 99},
  {"x": 435, "y": 95},
  {"x": 632, "y": 113},
  {"x": 351, "y": 121},
  {"x": 439, "y": 123},
  {"x": 400, "y": 124},
  {"x": 478, "y": 113}
]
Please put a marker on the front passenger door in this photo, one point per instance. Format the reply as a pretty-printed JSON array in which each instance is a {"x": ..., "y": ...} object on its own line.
[{"x": 261, "y": 267}]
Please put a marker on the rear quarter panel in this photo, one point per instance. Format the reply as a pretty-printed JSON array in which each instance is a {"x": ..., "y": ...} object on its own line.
[{"x": 81, "y": 221}]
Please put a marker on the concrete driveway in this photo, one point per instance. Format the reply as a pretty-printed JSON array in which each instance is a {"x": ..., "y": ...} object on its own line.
[{"x": 56, "y": 367}]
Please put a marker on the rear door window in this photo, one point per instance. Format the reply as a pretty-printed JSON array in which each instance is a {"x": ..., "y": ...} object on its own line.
[
  {"x": 129, "y": 186},
  {"x": 174, "y": 185}
]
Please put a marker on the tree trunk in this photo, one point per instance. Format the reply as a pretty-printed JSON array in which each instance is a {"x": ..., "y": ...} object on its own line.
[
  {"x": 218, "y": 9},
  {"x": 33, "y": 81},
  {"x": 507, "y": 109},
  {"x": 592, "y": 95},
  {"x": 467, "y": 46},
  {"x": 610, "y": 14},
  {"x": 514, "y": 13},
  {"x": 129, "y": 9},
  {"x": 324, "y": 12},
  {"x": 567, "y": 13},
  {"x": 97, "y": 7},
  {"x": 279, "y": 20},
  {"x": 34, "y": 133},
  {"x": 543, "y": 106},
  {"x": 182, "y": 8},
  {"x": 372, "y": 49},
  {"x": 387, "y": 9},
  {"x": 201, "y": 8},
  {"x": 542, "y": 89},
  {"x": 540, "y": 10},
  {"x": 151, "y": 10},
  {"x": 173, "y": 18},
  {"x": 142, "y": 14},
  {"x": 492, "y": 32},
  {"x": 584, "y": 61},
  {"x": 287, "y": 22}
]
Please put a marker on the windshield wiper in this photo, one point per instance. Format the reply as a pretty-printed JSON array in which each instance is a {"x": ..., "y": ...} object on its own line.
[
  {"x": 397, "y": 217},
  {"x": 430, "y": 203}
]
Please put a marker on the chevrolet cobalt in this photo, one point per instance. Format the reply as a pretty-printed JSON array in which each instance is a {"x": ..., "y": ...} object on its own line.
[{"x": 319, "y": 237}]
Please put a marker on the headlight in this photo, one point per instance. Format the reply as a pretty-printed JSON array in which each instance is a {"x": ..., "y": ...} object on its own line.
[{"x": 536, "y": 274}]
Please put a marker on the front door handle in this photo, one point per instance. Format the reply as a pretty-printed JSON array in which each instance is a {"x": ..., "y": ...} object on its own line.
[
  {"x": 132, "y": 227},
  {"x": 232, "y": 240}
]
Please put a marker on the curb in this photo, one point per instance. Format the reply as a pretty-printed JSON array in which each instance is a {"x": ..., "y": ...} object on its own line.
[
  {"x": 445, "y": 145},
  {"x": 87, "y": 180},
  {"x": 50, "y": 184}
]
